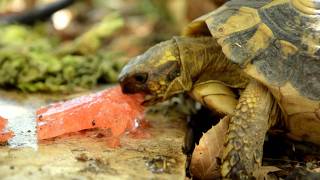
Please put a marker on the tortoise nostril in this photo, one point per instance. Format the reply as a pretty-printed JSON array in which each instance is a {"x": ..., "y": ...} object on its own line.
[{"x": 141, "y": 77}]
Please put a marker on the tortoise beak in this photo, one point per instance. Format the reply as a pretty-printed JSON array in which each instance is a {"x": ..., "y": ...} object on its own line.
[{"x": 135, "y": 83}]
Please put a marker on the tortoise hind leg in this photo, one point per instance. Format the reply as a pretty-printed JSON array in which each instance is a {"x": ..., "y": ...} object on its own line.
[{"x": 246, "y": 133}]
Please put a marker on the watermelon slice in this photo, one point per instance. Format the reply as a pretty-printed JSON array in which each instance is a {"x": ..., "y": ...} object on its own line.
[
  {"x": 109, "y": 109},
  {"x": 4, "y": 135}
]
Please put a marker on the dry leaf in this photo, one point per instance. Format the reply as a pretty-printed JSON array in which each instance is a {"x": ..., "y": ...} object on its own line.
[
  {"x": 204, "y": 162},
  {"x": 262, "y": 172},
  {"x": 317, "y": 170}
]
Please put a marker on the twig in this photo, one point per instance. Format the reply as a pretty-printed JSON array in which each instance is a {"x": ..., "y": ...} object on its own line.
[{"x": 36, "y": 14}]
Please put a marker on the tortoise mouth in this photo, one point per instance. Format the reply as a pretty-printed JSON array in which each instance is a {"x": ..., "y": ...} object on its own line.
[{"x": 151, "y": 100}]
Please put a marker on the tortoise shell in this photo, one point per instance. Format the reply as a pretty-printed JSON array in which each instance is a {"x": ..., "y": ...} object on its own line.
[{"x": 278, "y": 43}]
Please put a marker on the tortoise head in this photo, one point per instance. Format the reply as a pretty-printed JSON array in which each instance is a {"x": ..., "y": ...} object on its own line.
[{"x": 154, "y": 73}]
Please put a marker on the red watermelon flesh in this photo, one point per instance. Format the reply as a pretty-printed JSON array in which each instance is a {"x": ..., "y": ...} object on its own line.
[
  {"x": 109, "y": 109},
  {"x": 4, "y": 135}
]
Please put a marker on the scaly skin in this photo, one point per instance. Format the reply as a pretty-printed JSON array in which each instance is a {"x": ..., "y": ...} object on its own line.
[
  {"x": 176, "y": 65},
  {"x": 253, "y": 36},
  {"x": 247, "y": 129},
  {"x": 198, "y": 66}
]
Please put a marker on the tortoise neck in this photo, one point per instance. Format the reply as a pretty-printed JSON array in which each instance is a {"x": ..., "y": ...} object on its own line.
[
  {"x": 202, "y": 60},
  {"x": 309, "y": 7},
  {"x": 197, "y": 54}
]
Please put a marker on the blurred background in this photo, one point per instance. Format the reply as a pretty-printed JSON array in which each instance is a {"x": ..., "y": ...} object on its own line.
[{"x": 47, "y": 48}]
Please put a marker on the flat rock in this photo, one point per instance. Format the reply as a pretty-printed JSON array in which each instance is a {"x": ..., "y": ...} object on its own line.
[{"x": 85, "y": 154}]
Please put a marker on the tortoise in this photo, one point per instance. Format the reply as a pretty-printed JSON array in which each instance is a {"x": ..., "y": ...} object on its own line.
[{"x": 257, "y": 61}]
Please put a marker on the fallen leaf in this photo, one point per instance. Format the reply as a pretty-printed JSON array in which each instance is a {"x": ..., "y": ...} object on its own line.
[
  {"x": 204, "y": 162},
  {"x": 317, "y": 170},
  {"x": 262, "y": 172}
]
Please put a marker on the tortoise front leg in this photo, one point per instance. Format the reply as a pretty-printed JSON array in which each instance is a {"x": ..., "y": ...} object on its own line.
[
  {"x": 246, "y": 133},
  {"x": 215, "y": 96}
]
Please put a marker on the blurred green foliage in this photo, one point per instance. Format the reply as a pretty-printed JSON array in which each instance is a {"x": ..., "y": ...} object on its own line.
[{"x": 32, "y": 60}]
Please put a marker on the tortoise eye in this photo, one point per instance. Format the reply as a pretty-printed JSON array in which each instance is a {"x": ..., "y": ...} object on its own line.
[{"x": 141, "y": 77}]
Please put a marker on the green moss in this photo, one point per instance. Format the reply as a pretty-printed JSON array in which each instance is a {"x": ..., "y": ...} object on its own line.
[{"x": 33, "y": 61}]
